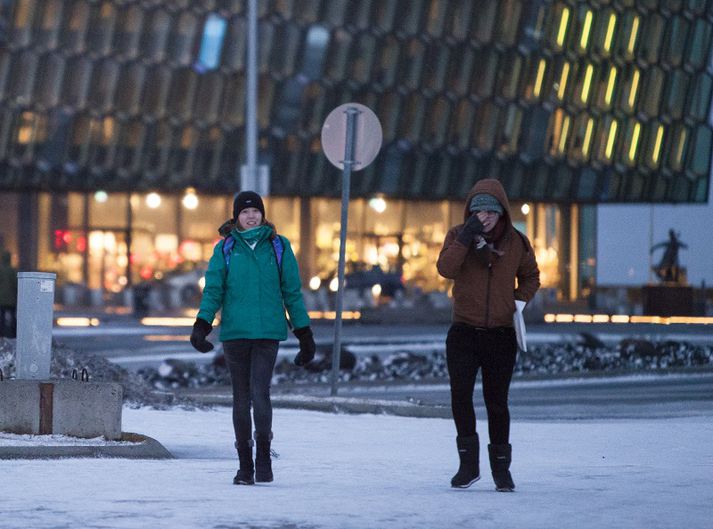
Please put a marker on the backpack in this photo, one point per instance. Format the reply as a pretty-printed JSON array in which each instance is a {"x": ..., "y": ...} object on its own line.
[{"x": 277, "y": 247}]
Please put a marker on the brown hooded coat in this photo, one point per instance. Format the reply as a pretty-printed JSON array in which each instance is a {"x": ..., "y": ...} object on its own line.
[{"x": 484, "y": 290}]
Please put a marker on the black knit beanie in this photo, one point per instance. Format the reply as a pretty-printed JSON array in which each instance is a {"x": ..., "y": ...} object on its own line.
[{"x": 247, "y": 199}]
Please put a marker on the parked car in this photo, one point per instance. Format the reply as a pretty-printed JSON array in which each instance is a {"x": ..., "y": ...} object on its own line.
[
  {"x": 362, "y": 277},
  {"x": 185, "y": 284}
]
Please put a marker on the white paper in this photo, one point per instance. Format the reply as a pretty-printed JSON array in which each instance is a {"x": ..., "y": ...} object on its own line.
[{"x": 519, "y": 323}]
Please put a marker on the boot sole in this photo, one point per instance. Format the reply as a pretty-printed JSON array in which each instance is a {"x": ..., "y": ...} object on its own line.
[
  {"x": 242, "y": 482},
  {"x": 505, "y": 489},
  {"x": 465, "y": 486}
]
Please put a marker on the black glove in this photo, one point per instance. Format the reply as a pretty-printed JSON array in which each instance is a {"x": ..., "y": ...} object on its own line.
[
  {"x": 201, "y": 329},
  {"x": 471, "y": 228},
  {"x": 307, "y": 346}
]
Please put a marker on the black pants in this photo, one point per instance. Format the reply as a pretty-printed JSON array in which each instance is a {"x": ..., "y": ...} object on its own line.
[
  {"x": 8, "y": 321},
  {"x": 494, "y": 350},
  {"x": 251, "y": 363}
]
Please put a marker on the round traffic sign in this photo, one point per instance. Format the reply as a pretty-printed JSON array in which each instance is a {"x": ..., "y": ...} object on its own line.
[{"x": 367, "y": 135}]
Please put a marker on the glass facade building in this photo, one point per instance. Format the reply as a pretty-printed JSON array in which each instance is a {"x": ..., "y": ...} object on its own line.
[{"x": 568, "y": 103}]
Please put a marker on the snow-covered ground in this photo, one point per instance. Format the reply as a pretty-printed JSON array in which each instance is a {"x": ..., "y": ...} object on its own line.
[{"x": 375, "y": 471}]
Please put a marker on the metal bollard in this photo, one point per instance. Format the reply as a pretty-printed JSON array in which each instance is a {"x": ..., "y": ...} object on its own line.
[{"x": 35, "y": 296}]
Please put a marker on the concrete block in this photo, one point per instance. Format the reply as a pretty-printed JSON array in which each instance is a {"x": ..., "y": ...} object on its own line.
[
  {"x": 20, "y": 406},
  {"x": 63, "y": 407}
]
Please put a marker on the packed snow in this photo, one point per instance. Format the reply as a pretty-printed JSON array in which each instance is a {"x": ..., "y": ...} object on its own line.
[{"x": 375, "y": 471}]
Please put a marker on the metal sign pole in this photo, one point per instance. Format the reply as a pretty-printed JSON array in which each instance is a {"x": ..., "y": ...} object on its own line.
[{"x": 352, "y": 114}]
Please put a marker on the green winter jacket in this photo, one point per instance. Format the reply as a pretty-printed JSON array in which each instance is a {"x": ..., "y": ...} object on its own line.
[{"x": 251, "y": 294}]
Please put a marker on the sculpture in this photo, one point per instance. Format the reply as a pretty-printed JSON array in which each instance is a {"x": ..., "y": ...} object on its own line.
[{"x": 668, "y": 269}]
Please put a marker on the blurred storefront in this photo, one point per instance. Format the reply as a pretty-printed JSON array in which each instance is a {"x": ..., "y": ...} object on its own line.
[{"x": 102, "y": 244}]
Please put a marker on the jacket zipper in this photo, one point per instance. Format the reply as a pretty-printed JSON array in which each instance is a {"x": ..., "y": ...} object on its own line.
[{"x": 487, "y": 296}]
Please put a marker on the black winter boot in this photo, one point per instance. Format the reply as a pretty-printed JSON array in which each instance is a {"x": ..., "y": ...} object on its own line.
[
  {"x": 500, "y": 458},
  {"x": 469, "y": 470},
  {"x": 263, "y": 463},
  {"x": 245, "y": 475}
]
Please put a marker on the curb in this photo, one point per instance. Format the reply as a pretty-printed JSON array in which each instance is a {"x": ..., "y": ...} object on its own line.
[
  {"x": 336, "y": 405},
  {"x": 140, "y": 447}
]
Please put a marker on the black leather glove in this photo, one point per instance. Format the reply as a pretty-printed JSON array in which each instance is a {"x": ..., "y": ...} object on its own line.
[
  {"x": 307, "y": 346},
  {"x": 201, "y": 329},
  {"x": 471, "y": 228}
]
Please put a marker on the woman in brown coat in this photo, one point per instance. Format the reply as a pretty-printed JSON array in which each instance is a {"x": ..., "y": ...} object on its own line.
[{"x": 485, "y": 256}]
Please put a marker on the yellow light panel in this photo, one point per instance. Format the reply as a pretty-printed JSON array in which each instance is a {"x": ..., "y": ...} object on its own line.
[
  {"x": 634, "y": 141},
  {"x": 634, "y": 88},
  {"x": 563, "y": 26},
  {"x": 563, "y": 81},
  {"x": 632, "y": 36},
  {"x": 587, "y": 82},
  {"x": 610, "y": 32},
  {"x": 587, "y": 137},
  {"x": 657, "y": 145},
  {"x": 610, "y": 85},
  {"x": 610, "y": 139},
  {"x": 586, "y": 29},
  {"x": 540, "y": 75},
  {"x": 563, "y": 135}
]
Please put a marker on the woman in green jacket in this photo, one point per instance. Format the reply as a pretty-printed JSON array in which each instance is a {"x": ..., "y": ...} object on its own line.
[{"x": 253, "y": 276}]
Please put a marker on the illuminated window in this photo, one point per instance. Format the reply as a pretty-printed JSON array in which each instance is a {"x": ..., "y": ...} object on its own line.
[{"x": 211, "y": 43}]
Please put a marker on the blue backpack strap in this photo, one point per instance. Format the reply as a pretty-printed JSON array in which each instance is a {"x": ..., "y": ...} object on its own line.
[
  {"x": 228, "y": 244},
  {"x": 279, "y": 249}
]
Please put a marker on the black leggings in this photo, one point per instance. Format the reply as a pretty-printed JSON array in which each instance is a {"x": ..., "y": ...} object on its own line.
[
  {"x": 251, "y": 363},
  {"x": 467, "y": 350}
]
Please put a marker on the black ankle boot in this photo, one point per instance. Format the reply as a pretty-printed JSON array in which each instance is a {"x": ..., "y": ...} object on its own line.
[
  {"x": 263, "y": 463},
  {"x": 469, "y": 470},
  {"x": 500, "y": 458},
  {"x": 245, "y": 475}
]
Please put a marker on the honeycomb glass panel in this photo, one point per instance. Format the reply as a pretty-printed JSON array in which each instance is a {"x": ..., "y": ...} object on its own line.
[
  {"x": 76, "y": 82},
  {"x": 699, "y": 43},
  {"x": 74, "y": 26},
  {"x": 508, "y": 21},
  {"x": 363, "y": 57},
  {"x": 129, "y": 147},
  {"x": 700, "y": 100},
  {"x": 384, "y": 73},
  {"x": 438, "y": 115},
  {"x": 183, "y": 35},
  {"x": 436, "y": 17},
  {"x": 460, "y": 14},
  {"x": 47, "y": 33},
  {"x": 208, "y": 97},
  {"x": 460, "y": 70},
  {"x": 485, "y": 22},
  {"x": 338, "y": 55},
  {"x": 22, "y": 77},
  {"x": 651, "y": 92},
  {"x": 484, "y": 77},
  {"x": 128, "y": 93},
  {"x": 461, "y": 126},
  {"x": 234, "y": 45},
  {"x": 486, "y": 120},
  {"x": 675, "y": 41},
  {"x": 701, "y": 151},
  {"x": 155, "y": 37},
  {"x": 21, "y": 29},
  {"x": 103, "y": 85},
  {"x": 100, "y": 30},
  {"x": 51, "y": 71},
  {"x": 412, "y": 63},
  {"x": 436, "y": 66},
  {"x": 409, "y": 19},
  {"x": 156, "y": 91},
  {"x": 652, "y": 40},
  {"x": 283, "y": 49},
  {"x": 127, "y": 35},
  {"x": 384, "y": 14}
]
